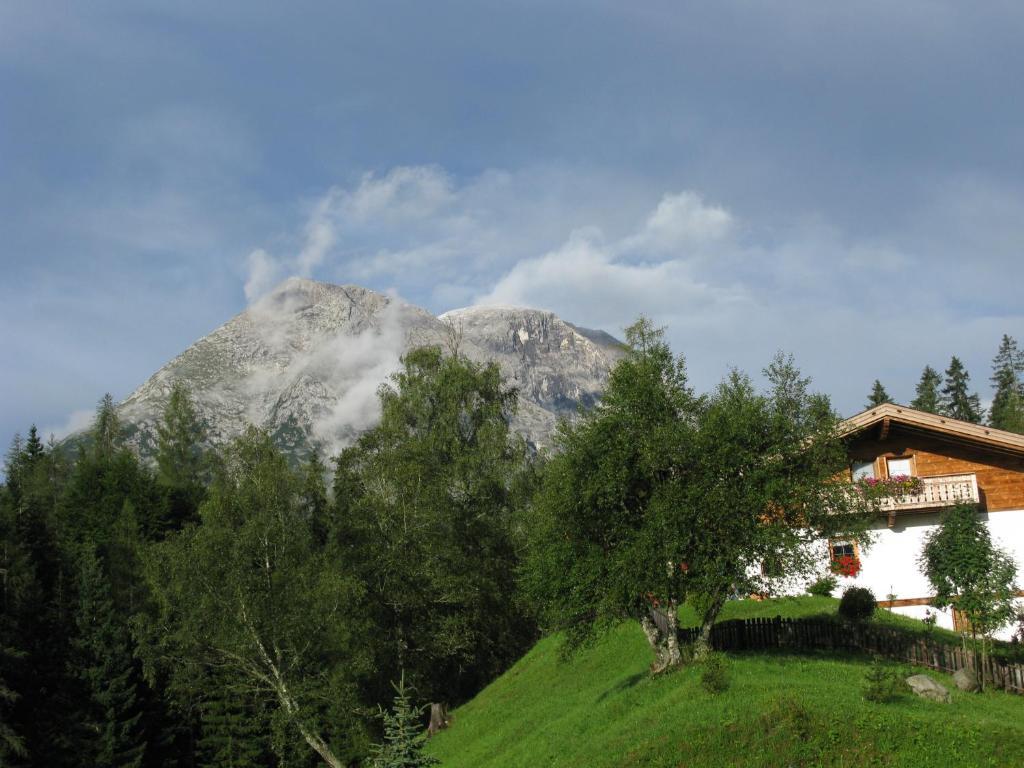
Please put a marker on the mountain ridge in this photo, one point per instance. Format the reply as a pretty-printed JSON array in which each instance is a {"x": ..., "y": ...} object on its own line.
[{"x": 306, "y": 360}]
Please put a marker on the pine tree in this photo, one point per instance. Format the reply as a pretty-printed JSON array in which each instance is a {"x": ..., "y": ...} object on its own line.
[
  {"x": 878, "y": 395},
  {"x": 1008, "y": 404},
  {"x": 107, "y": 435},
  {"x": 179, "y": 459},
  {"x": 33, "y": 446},
  {"x": 233, "y": 733},
  {"x": 956, "y": 401},
  {"x": 926, "y": 396},
  {"x": 111, "y": 733},
  {"x": 404, "y": 736}
]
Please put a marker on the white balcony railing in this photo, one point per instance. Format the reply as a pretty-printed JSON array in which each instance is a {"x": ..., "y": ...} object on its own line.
[{"x": 937, "y": 492}]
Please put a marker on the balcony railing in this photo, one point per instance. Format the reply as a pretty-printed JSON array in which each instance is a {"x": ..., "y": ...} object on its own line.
[{"x": 939, "y": 491}]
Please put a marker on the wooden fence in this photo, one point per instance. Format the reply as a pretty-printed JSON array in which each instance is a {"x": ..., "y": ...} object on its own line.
[{"x": 824, "y": 634}]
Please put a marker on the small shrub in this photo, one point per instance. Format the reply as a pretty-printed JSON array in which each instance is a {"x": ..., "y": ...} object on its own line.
[
  {"x": 857, "y": 604},
  {"x": 788, "y": 716},
  {"x": 881, "y": 684},
  {"x": 823, "y": 587},
  {"x": 715, "y": 677}
]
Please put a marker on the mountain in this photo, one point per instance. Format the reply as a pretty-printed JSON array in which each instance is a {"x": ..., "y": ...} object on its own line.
[{"x": 305, "y": 363}]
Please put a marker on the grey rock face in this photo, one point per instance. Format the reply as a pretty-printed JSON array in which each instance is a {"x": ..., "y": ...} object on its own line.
[
  {"x": 555, "y": 366},
  {"x": 927, "y": 688},
  {"x": 305, "y": 363},
  {"x": 966, "y": 680}
]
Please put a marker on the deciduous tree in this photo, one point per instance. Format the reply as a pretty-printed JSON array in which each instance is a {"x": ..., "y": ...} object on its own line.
[
  {"x": 659, "y": 496},
  {"x": 426, "y": 505},
  {"x": 251, "y": 593},
  {"x": 969, "y": 573}
]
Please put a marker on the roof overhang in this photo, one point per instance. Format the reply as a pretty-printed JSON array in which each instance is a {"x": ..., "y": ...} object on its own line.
[{"x": 890, "y": 415}]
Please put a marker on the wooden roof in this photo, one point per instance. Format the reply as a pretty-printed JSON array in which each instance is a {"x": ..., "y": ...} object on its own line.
[{"x": 909, "y": 419}]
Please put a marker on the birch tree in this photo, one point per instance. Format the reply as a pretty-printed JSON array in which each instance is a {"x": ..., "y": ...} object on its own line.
[
  {"x": 250, "y": 593},
  {"x": 659, "y": 497}
]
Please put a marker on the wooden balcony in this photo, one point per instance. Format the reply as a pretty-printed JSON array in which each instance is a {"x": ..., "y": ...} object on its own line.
[{"x": 937, "y": 492}]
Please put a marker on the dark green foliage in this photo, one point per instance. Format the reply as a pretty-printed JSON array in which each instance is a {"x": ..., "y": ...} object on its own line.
[
  {"x": 103, "y": 478},
  {"x": 233, "y": 727},
  {"x": 823, "y": 586},
  {"x": 12, "y": 743},
  {"x": 181, "y": 466},
  {"x": 882, "y": 683},
  {"x": 857, "y": 604},
  {"x": 714, "y": 675},
  {"x": 108, "y": 721},
  {"x": 427, "y": 505},
  {"x": 253, "y": 593},
  {"x": 926, "y": 395},
  {"x": 878, "y": 395},
  {"x": 1008, "y": 402},
  {"x": 404, "y": 735},
  {"x": 956, "y": 401}
]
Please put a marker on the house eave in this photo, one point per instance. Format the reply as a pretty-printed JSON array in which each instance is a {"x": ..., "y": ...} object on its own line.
[{"x": 891, "y": 415}]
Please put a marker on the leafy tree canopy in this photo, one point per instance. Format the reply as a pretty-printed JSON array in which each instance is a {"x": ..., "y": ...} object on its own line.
[
  {"x": 251, "y": 593},
  {"x": 659, "y": 496},
  {"x": 426, "y": 510}
]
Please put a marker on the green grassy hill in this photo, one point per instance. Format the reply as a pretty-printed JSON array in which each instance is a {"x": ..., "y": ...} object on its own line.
[{"x": 602, "y": 708}]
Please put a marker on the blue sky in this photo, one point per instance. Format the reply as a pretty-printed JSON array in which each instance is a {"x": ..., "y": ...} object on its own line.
[{"x": 843, "y": 181}]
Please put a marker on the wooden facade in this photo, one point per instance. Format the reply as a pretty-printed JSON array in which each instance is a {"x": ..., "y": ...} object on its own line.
[{"x": 935, "y": 452}]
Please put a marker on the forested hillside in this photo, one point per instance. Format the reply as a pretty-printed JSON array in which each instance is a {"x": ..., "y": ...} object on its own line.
[{"x": 227, "y": 609}]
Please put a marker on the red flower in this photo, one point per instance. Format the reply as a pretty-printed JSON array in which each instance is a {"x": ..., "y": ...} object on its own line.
[{"x": 846, "y": 565}]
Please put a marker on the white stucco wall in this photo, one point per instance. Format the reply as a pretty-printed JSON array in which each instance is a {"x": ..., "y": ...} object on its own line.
[{"x": 889, "y": 565}]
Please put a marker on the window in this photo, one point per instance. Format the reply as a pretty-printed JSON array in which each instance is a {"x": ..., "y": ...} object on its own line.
[
  {"x": 771, "y": 567},
  {"x": 862, "y": 469},
  {"x": 897, "y": 467},
  {"x": 844, "y": 559},
  {"x": 837, "y": 549}
]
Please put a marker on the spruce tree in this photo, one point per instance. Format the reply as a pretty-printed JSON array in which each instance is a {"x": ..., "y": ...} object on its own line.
[
  {"x": 232, "y": 727},
  {"x": 926, "y": 396},
  {"x": 106, "y": 432},
  {"x": 956, "y": 401},
  {"x": 404, "y": 736},
  {"x": 110, "y": 732},
  {"x": 1008, "y": 404},
  {"x": 878, "y": 395},
  {"x": 179, "y": 459}
]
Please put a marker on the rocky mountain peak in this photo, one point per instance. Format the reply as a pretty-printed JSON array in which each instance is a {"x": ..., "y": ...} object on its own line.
[{"x": 306, "y": 360}]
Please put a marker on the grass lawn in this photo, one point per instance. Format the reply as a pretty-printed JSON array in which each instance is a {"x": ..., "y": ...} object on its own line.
[{"x": 602, "y": 708}]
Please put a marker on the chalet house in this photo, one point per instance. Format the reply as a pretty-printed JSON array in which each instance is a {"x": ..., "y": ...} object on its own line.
[{"x": 956, "y": 461}]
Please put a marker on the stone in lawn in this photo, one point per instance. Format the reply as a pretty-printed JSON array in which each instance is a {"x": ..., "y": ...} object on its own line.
[
  {"x": 966, "y": 680},
  {"x": 927, "y": 688}
]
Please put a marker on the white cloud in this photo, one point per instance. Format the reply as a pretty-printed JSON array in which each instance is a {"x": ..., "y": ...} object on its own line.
[
  {"x": 599, "y": 251},
  {"x": 264, "y": 274},
  {"x": 681, "y": 220},
  {"x": 76, "y": 422}
]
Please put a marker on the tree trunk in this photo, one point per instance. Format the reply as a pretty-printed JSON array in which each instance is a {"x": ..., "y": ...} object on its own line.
[
  {"x": 439, "y": 719},
  {"x": 672, "y": 655},
  {"x": 702, "y": 646},
  {"x": 664, "y": 645}
]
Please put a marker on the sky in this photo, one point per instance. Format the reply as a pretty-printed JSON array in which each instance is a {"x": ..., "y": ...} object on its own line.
[{"x": 844, "y": 182}]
